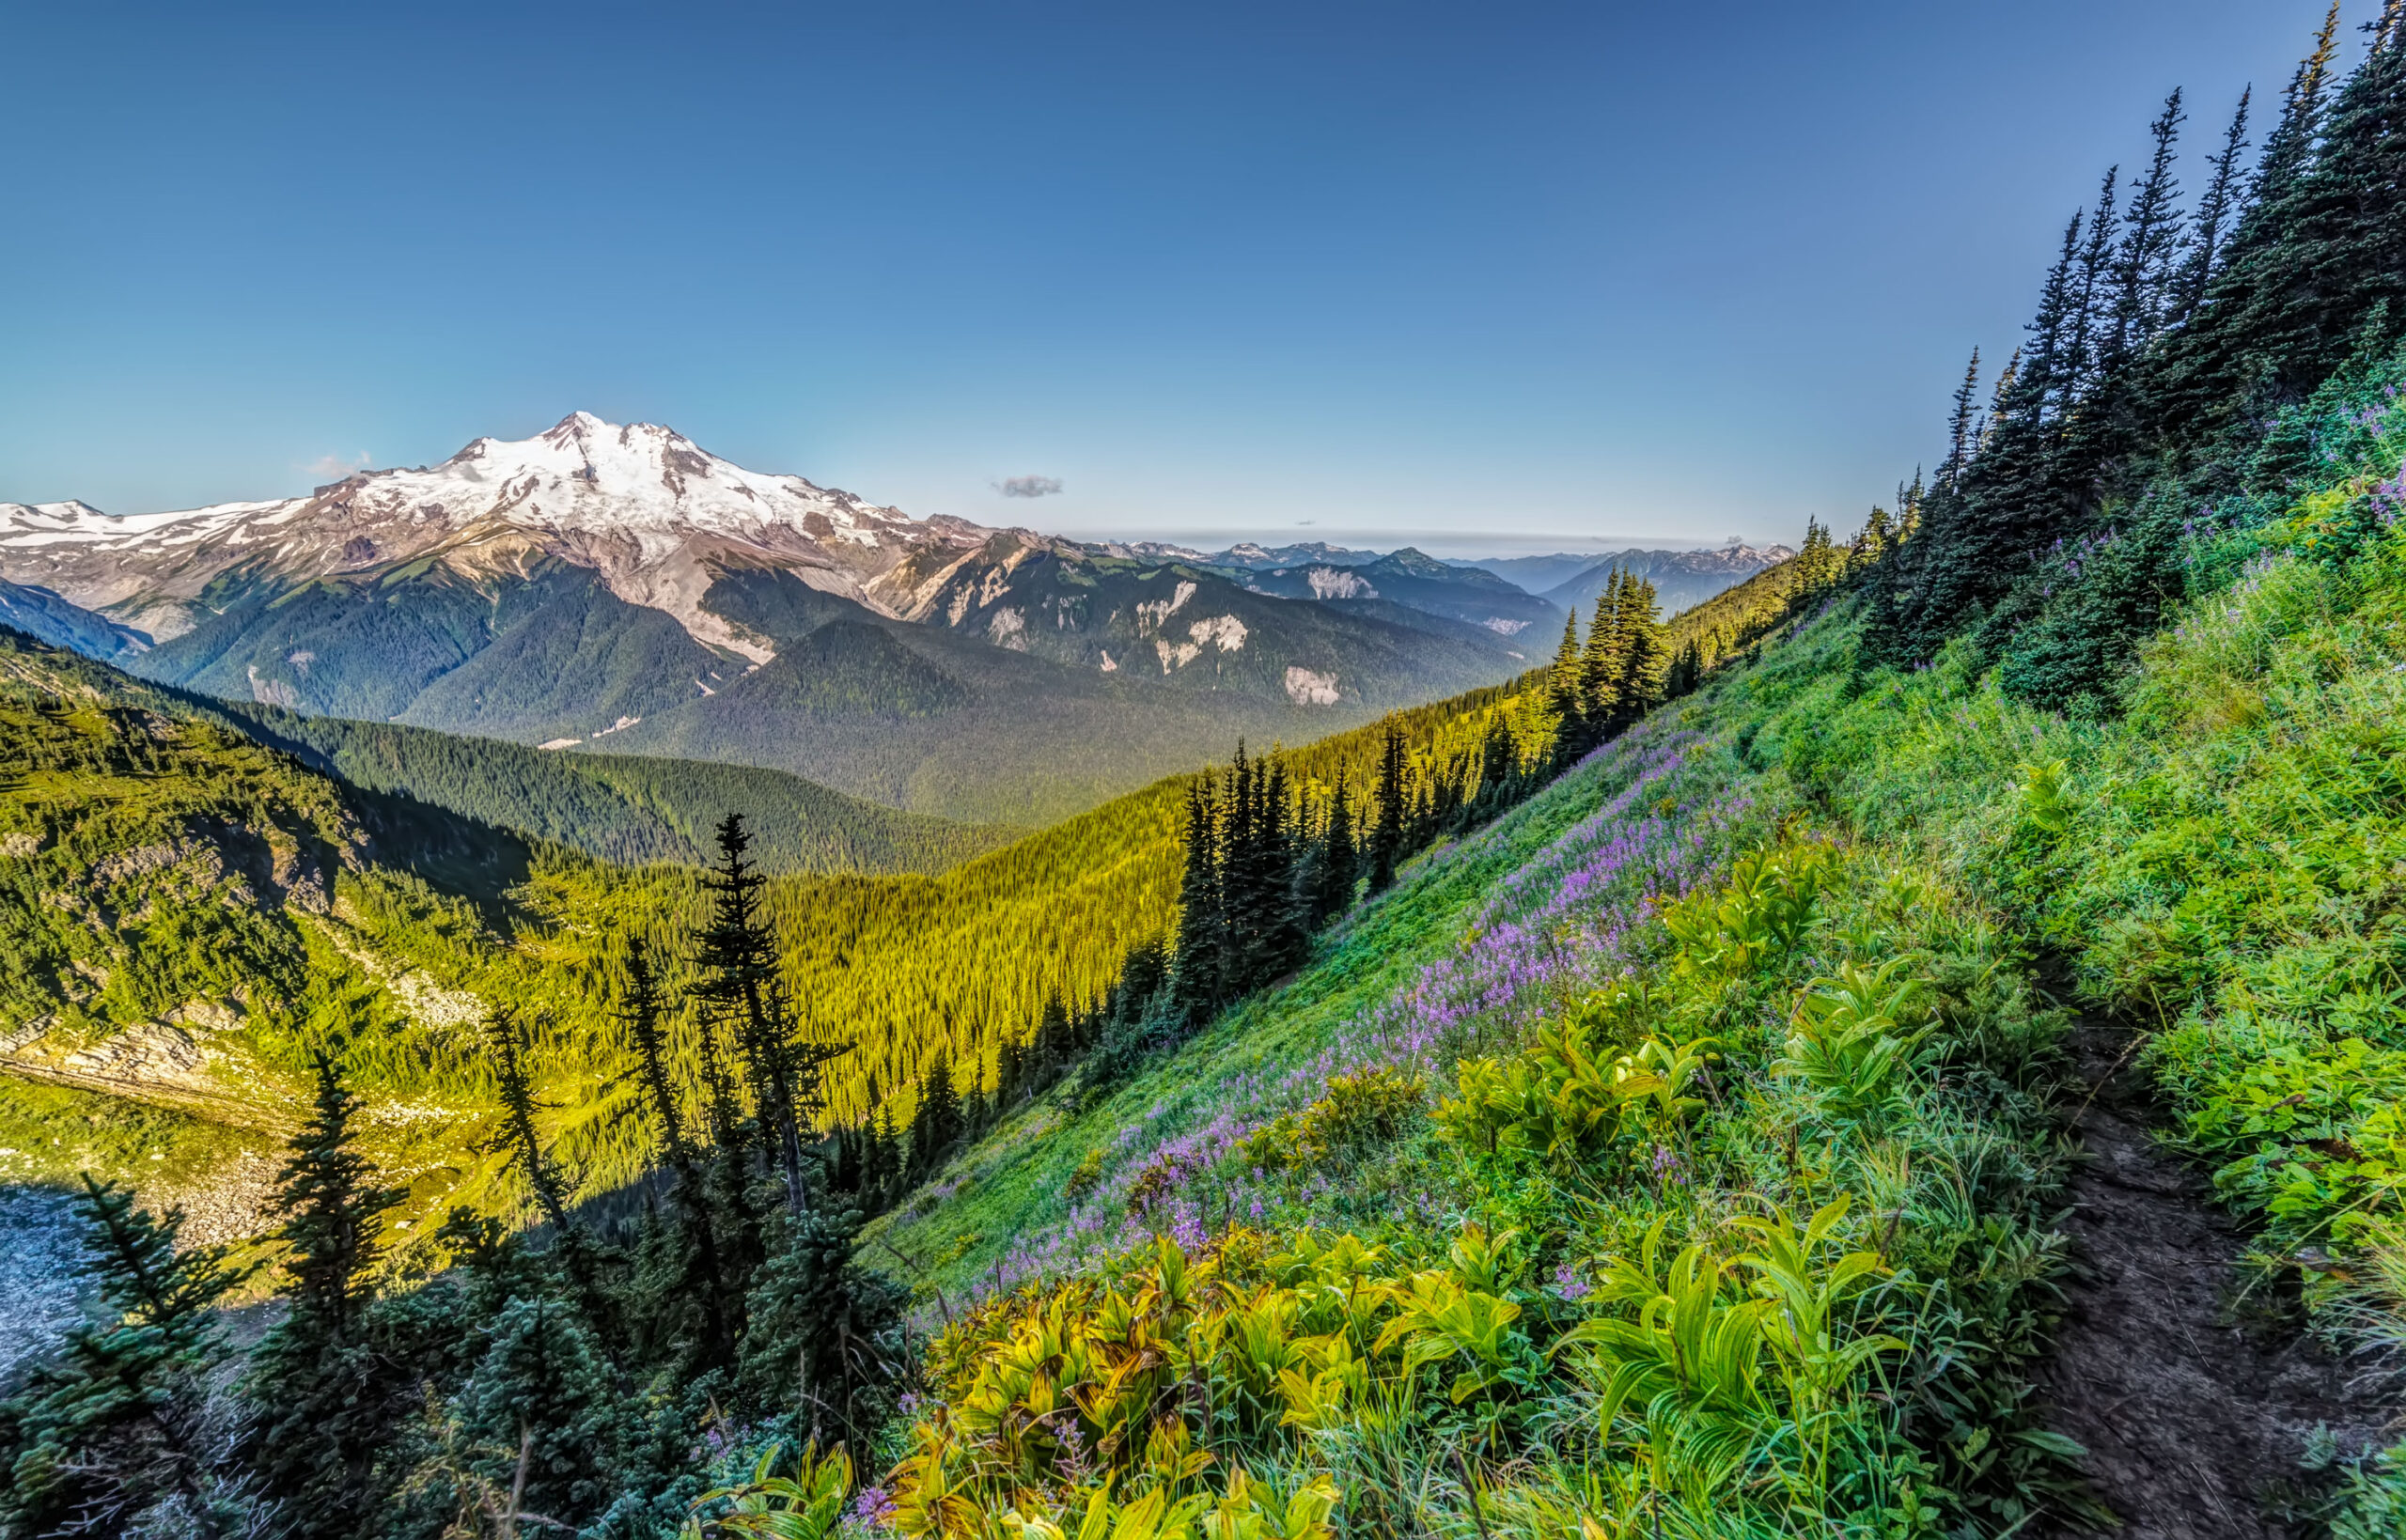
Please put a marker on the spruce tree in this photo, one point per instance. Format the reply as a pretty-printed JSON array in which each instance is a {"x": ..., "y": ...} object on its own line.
[
  {"x": 740, "y": 987},
  {"x": 539, "y": 1409},
  {"x": 1242, "y": 879},
  {"x": 109, "y": 1438},
  {"x": 1960, "y": 436},
  {"x": 2209, "y": 227},
  {"x": 697, "y": 1281},
  {"x": 2144, "y": 265},
  {"x": 327, "y": 1194},
  {"x": 1643, "y": 656},
  {"x": 1600, "y": 664},
  {"x": 1386, "y": 842},
  {"x": 936, "y": 1126},
  {"x": 1282, "y": 937},
  {"x": 518, "y": 1138},
  {"x": 1499, "y": 767},
  {"x": 1338, "y": 870},
  {"x": 825, "y": 1342},
  {"x": 1197, "y": 986},
  {"x": 1562, "y": 695},
  {"x": 1687, "y": 669},
  {"x": 325, "y": 1402},
  {"x": 2045, "y": 383}
]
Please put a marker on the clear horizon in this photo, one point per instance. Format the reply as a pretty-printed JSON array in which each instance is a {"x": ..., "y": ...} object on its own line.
[{"x": 1374, "y": 276}]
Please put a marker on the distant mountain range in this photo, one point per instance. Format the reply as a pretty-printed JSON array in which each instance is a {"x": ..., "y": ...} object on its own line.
[
  {"x": 618, "y": 587},
  {"x": 1681, "y": 579}
]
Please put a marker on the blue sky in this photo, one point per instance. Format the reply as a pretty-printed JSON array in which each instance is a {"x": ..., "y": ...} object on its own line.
[{"x": 1483, "y": 276}]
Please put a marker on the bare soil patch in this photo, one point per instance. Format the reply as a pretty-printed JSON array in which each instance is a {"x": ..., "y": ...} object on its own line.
[{"x": 2195, "y": 1395}]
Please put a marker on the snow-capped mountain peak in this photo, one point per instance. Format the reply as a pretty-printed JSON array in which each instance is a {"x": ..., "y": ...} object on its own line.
[{"x": 640, "y": 503}]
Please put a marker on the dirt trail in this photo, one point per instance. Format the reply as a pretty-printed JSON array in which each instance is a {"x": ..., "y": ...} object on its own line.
[{"x": 2192, "y": 1420}]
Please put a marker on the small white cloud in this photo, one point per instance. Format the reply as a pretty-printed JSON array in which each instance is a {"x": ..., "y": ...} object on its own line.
[
  {"x": 1029, "y": 485},
  {"x": 335, "y": 467}
]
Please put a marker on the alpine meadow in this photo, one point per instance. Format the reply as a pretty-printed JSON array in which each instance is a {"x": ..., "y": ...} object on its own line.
[{"x": 584, "y": 990}]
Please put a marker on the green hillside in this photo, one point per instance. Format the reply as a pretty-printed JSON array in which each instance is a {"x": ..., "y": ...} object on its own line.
[
  {"x": 627, "y": 809},
  {"x": 382, "y": 922},
  {"x": 1915, "y": 1050}
]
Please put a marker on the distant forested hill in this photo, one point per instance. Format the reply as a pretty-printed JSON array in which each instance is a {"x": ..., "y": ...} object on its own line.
[
  {"x": 624, "y": 808},
  {"x": 194, "y": 902}
]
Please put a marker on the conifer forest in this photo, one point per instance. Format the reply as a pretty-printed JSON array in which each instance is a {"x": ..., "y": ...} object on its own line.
[{"x": 1912, "y": 1045}]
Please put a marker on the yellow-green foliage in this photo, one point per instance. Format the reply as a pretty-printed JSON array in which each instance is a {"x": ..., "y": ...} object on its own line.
[
  {"x": 1363, "y": 1108},
  {"x": 1662, "y": 1294}
]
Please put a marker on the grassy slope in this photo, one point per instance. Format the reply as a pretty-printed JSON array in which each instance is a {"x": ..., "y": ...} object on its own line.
[
  {"x": 1480, "y": 949},
  {"x": 2225, "y": 858},
  {"x": 1260, "y": 1055},
  {"x": 1015, "y": 1187}
]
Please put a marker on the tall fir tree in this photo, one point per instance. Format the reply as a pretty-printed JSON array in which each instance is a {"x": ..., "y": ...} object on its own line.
[
  {"x": 1339, "y": 870},
  {"x": 1962, "y": 437},
  {"x": 695, "y": 1280},
  {"x": 1196, "y": 980},
  {"x": 324, "y": 1403},
  {"x": 2209, "y": 228},
  {"x": 1562, "y": 695},
  {"x": 935, "y": 1126},
  {"x": 1393, "y": 804},
  {"x": 2145, "y": 264},
  {"x": 740, "y": 984},
  {"x": 108, "y": 1440},
  {"x": 541, "y": 1418},
  {"x": 519, "y": 1140},
  {"x": 1284, "y": 938},
  {"x": 1643, "y": 653},
  {"x": 1601, "y": 660}
]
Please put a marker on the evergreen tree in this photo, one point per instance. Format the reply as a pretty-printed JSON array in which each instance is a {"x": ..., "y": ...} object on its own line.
[
  {"x": 2289, "y": 152},
  {"x": 325, "y": 1402},
  {"x": 1283, "y": 940},
  {"x": 2144, "y": 266},
  {"x": 518, "y": 1137},
  {"x": 538, "y": 1410},
  {"x": 2001, "y": 404},
  {"x": 2209, "y": 227},
  {"x": 1394, "y": 798},
  {"x": 1960, "y": 433},
  {"x": 1562, "y": 695},
  {"x": 694, "y": 1280},
  {"x": 2047, "y": 379},
  {"x": 936, "y": 1126},
  {"x": 1243, "y": 879},
  {"x": 738, "y": 962},
  {"x": 825, "y": 1341},
  {"x": 1198, "y": 984},
  {"x": 1499, "y": 768},
  {"x": 1687, "y": 670},
  {"x": 1643, "y": 656},
  {"x": 1339, "y": 869},
  {"x": 109, "y": 1438},
  {"x": 1602, "y": 661},
  {"x": 327, "y": 1194}
]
